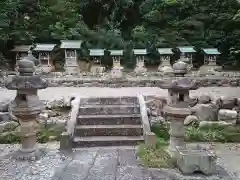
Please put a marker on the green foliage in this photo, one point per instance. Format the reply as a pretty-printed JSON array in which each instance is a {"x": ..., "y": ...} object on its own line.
[
  {"x": 44, "y": 135},
  {"x": 121, "y": 24},
  {"x": 9, "y": 138},
  {"x": 154, "y": 158},
  {"x": 213, "y": 133}
]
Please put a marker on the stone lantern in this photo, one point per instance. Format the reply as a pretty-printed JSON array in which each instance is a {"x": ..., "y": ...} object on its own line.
[
  {"x": 178, "y": 107},
  {"x": 26, "y": 106},
  {"x": 180, "y": 68},
  {"x": 31, "y": 58}
]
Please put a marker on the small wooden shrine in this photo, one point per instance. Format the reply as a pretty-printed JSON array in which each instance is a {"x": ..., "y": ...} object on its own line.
[
  {"x": 71, "y": 58},
  {"x": 165, "y": 56},
  {"x": 140, "y": 60},
  {"x": 96, "y": 57},
  {"x": 44, "y": 52},
  {"x": 210, "y": 62},
  {"x": 186, "y": 54},
  {"x": 116, "y": 55},
  {"x": 210, "y": 56}
]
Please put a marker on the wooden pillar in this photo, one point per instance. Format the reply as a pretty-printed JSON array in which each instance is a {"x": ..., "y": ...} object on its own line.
[
  {"x": 48, "y": 58},
  {"x": 76, "y": 58}
]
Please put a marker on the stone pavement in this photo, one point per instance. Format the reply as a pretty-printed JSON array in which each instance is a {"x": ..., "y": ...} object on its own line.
[
  {"x": 89, "y": 164},
  {"x": 55, "y": 93}
]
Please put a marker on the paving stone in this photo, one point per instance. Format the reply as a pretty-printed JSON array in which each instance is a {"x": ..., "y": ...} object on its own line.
[
  {"x": 67, "y": 176},
  {"x": 105, "y": 165},
  {"x": 85, "y": 156},
  {"x": 93, "y": 164},
  {"x": 132, "y": 173},
  {"x": 127, "y": 157},
  {"x": 77, "y": 168}
]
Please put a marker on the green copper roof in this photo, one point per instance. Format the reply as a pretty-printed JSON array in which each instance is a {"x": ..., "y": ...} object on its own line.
[
  {"x": 22, "y": 48},
  {"x": 96, "y": 52},
  {"x": 186, "y": 49},
  {"x": 116, "y": 52},
  {"x": 211, "y": 51},
  {"x": 140, "y": 51},
  {"x": 44, "y": 47},
  {"x": 70, "y": 44},
  {"x": 163, "y": 51}
]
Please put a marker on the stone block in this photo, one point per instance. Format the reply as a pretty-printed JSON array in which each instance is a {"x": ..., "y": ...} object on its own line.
[
  {"x": 65, "y": 142},
  {"x": 228, "y": 115},
  {"x": 150, "y": 139},
  {"x": 190, "y": 160}
]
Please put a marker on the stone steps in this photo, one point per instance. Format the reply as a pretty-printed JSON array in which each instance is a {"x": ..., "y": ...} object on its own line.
[
  {"x": 109, "y": 109},
  {"x": 109, "y": 101},
  {"x": 131, "y": 119},
  {"x": 92, "y": 141},
  {"x": 108, "y": 121},
  {"x": 109, "y": 130}
]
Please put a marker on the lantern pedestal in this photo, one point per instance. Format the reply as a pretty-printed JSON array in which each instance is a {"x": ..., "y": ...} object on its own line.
[
  {"x": 140, "y": 67},
  {"x": 116, "y": 73},
  {"x": 176, "y": 115}
]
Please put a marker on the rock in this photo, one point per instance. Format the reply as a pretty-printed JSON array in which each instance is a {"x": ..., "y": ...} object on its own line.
[
  {"x": 238, "y": 103},
  {"x": 228, "y": 115},
  {"x": 204, "y": 99},
  {"x": 191, "y": 119},
  {"x": 4, "y": 106},
  {"x": 226, "y": 102},
  {"x": 4, "y": 116},
  {"x": 51, "y": 113},
  {"x": 61, "y": 122},
  {"x": 60, "y": 103},
  {"x": 205, "y": 112},
  {"x": 52, "y": 138},
  {"x": 156, "y": 104},
  {"x": 203, "y": 124},
  {"x": 43, "y": 116},
  {"x": 148, "y": 111},
  {"x": 154, "y": 113},
  {"x": 8, "y": 125},
  {"x": 156, "y": 120}
]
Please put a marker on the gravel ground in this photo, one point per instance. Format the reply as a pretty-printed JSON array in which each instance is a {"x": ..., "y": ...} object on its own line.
[
  {"x": 58, "y": 92},
  {"x": 105, "y": 164}
]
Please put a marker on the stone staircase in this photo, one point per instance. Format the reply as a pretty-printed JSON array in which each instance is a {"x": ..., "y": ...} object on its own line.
[{"x": 108, "y": 122}]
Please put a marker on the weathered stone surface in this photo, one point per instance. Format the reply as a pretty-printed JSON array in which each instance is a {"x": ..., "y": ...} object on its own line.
[
  {"x": 194, "y": 159},
  {"x": 4, "y": 116},
  {"x": 156, "y": 120},
  {"x": 228, "y": 115},
  {"x": 227, "y": 102},
  {"x": 4, "y": 106},
  {"x": 150, "y": 139},
  {"x": 92, "y": 164},
  {"x": 203, "y": 124},
  {"x": 205, "y": 112},
  {"x": 204, "y": 99},
  {"x": 154, "y": 81},
  {"x": 191, "y": 119}
]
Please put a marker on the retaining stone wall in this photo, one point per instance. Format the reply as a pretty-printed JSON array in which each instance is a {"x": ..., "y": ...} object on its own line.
[{"x": 135, "y": 82}]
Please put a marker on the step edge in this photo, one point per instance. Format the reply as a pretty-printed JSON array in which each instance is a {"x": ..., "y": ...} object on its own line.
[
  {"x": 110, "y": 116},
  {"x": 101, "y": 126},
  {"x": 108, "y": 105},
  {"x": 106, "y": 138}
]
